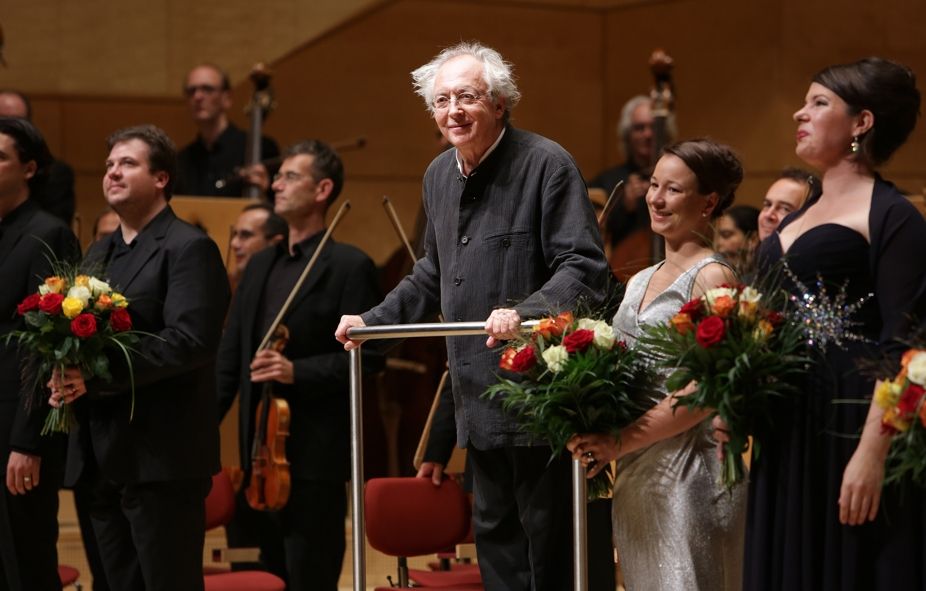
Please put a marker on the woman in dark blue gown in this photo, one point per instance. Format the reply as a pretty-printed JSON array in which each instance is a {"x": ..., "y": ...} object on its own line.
[{"x": 818, "y": 518}]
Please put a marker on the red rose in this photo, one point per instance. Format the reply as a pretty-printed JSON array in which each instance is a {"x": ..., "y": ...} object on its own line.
[
  {"x": 84, "y": 325},
  {"x": 30, "y": 303},
  {"x": 518, "y": 361},
  {"x": 578, "y": 340},
  {"x": 120, "y": 320},
  {"x": 776, "y": 318},
  {"x": 710, "y": 331},
  {"x": 524, "y": 360},
  {"x": 910, "y": 399},
  {"x": 694, "y": 309},
  {"x": 51, "y": 303}
]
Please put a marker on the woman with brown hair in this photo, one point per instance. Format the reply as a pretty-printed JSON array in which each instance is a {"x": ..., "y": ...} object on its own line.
[{"x": 675, "y": 526}]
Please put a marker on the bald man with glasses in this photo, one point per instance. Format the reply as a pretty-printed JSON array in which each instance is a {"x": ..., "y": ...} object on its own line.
[{"x": 207, "y": 165}]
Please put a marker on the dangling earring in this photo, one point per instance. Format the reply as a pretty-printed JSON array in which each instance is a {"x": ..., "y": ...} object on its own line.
[{"x": 854, "y": 146}]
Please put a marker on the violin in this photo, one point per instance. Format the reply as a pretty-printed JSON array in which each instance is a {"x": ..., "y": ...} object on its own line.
[{"x": 270, "y": 477}]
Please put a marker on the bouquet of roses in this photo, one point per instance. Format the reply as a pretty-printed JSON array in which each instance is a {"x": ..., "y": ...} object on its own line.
[
  {"x": 740, "y": 351},
  {"x": 574, "y": 377},
  {"x": 902, "y": 399},
  {"x": 73, "y": 320}
]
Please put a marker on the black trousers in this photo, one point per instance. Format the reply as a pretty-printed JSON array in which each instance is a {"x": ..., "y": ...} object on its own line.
[
  {"x": 29, "y": 522},
  {"x": 304, "y": 542},
  {"x": 522, "y": 518},
  {"x": 151, "y": 535}
]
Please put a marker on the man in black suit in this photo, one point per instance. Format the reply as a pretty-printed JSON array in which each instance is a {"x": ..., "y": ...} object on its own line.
[
  {"x": 149, "y": 454},
  {"x": 304, "y": 542},
  {"x": 34, "y": 464},
  {"x": 56, "y": 195}
]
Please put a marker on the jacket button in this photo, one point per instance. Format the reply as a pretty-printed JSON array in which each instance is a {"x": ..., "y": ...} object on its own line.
[
  {"x": 506, "y": 242},
  {"x": 465, "y": 240},
  {"x": 457, "y": 280}
]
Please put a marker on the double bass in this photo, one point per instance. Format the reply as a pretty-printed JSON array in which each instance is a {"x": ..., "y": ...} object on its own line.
[{"x": 641, "y": 247}]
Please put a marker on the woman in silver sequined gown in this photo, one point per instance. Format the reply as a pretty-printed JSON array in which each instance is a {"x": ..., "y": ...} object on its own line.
[{"x": 675, "y": 527}]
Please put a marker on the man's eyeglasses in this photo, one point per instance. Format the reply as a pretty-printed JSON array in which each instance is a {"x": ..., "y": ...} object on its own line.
[
  {"x": 203, "y": 88},
  {"x": 289, "y": 177},
  {"x": 467, "y": 99}
]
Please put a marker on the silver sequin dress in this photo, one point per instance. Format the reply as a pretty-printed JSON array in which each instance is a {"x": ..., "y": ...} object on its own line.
[{"x": 675, "y": 527}]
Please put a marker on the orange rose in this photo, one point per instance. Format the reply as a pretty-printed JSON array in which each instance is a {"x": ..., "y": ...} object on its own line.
[
  {"x": 55, "y": 284},
  {"x": 765, "y": 328},
  {"x": 894, "y": 421},
  {"x": 723, "y": 305},
  {"x": 554, "y": 327},
  {"x": 682, "y": 323},
  {"x": 104, "y": 302}
]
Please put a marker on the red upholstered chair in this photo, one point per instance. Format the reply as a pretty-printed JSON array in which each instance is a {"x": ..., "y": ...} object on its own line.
[
  {"x": 412, "y": 517},
  {"x": 68, "y": 576},
  {"x": 220, "y": 508}
]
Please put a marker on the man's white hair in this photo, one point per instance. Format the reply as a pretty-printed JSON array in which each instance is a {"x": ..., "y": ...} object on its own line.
[
  {"x": 497, "y": 74},
  {"x": 626, "y": 122}
]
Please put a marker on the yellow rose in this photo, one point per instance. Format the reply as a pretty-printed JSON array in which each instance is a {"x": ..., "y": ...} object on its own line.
[
  {"x": 72, "y": 307},
  {"x": 82, "y": 280},
  {"x": 748, "y": 309},
  {"x": 55, "y": 284},
  {"x": 886, "y": 394},
  {"x": 119, "y": 300}
]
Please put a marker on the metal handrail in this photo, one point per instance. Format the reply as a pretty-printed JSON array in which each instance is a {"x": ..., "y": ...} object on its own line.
[{"x": 435, "y": 329}]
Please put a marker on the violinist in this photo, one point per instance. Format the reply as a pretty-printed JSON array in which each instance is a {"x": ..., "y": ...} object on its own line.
[
  {"x": 637, "y": 141},
  {"x": 304, "y": 542},
  {"x": 220, "y": 146}
]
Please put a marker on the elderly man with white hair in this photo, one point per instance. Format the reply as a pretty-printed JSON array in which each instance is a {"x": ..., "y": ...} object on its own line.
[{"x": 510, "y": 234}]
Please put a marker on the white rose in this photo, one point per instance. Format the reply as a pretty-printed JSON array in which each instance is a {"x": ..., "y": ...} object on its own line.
[
  {"x": 916, "y": 369},
  {"x": 587, "y": 324},
  {"x": 79, "y": 292},
  {"x": 98, "y": 287},
  {"x": 604, "y": 335},
  {"x": 43, "y": 289},
  {"x": 555, "y": 358},
  {"x": 750, "y": 294}
]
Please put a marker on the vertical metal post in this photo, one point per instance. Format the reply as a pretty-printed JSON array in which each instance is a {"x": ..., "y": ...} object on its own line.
[
  {"x": 356, "y": 471},
  {"x": 579, "y": 527}
]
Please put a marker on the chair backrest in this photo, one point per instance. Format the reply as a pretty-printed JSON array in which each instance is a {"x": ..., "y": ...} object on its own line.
[
  {"x": 220, "y": 502},
  {"x": 411, "y": 516}
]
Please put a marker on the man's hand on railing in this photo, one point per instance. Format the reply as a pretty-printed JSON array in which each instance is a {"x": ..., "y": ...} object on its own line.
[
  {"x": 348, "y": 322},
  {"x": 502, "y": 324}
]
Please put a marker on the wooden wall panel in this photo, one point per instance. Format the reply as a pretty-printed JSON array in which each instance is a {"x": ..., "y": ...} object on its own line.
[
  {"x": 743, "y": 68},
  {"x": 357, "y": 83},
  {"x": 139, "y": 47}
]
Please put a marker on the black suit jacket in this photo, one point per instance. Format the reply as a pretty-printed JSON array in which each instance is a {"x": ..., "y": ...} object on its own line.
[
  {"x": 177, "y": 289},
  {"x": 343, "y": 281},
  {"x": 24, "y": 263}
]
